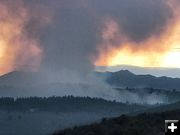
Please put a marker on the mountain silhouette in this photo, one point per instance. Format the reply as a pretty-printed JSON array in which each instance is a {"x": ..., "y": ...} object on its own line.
[{"x": 125, "y": 78}]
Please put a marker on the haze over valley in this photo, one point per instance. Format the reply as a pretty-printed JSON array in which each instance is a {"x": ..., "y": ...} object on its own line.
[{"x": 68, "y": 63}]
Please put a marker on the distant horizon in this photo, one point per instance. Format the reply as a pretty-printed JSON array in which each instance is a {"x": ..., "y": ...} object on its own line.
[{"x": 155, "y": 71}]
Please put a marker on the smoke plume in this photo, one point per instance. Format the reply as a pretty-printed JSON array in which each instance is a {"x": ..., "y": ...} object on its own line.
[
  {"x": 81, "y": 34},
  {"x": 20, "y": 47},
  {"x": 88, "y": 33}
]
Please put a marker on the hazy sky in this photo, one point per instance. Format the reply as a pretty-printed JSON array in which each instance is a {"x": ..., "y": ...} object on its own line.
[{"x": 78, "y": 34}]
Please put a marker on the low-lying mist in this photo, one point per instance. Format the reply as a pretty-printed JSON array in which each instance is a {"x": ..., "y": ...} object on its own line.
[
  {"x": 64, "y": 83},
  {"x": 63, "y": 40}
]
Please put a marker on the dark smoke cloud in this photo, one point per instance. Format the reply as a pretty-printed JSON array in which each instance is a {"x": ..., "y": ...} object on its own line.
[
  {"x": 70, "y": 40},
  {"x": 72, "y": 37},
  {"x": 139, "y": 19}
]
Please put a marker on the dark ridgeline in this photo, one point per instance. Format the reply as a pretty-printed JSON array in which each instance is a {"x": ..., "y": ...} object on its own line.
[
  {"x": 125, "y": 78},
  {"x": 143, "y": 124},
  {"x": 65, "y": 104}
]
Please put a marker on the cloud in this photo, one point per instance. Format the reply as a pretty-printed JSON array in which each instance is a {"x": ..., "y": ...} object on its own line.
[
  {"x": 72, "y": 36},
  {"x": 71, "y": 40},
  {"x": 18, "y": 48},
  {"x": 139, "y": 19}
]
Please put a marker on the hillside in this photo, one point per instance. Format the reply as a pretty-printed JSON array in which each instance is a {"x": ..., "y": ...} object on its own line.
[
  {"x": 168, "y": 107},
  {"x": 66, "y": 104},
  {"x": 156, "y": 71},
  {"x": 25, "y": 84},
  {"x": 122, "y": 78},
  {"x": 151, "y": 95},
  {"x": 43, "y": 116},
  {"x": 125, "y": 78},
  {"x": 20, "y": 78},
  {"x": 143, "y": 124}
]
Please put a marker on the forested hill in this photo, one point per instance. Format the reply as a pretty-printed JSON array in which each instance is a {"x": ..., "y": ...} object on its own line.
[
  {"x": 143, "y": 124},
  {"x": 65, "y": 104}
]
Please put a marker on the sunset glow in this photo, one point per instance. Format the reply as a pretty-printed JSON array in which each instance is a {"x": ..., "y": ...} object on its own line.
[
  {"x": 156, "y": 51},
  {"x": 17, "y": 48}
]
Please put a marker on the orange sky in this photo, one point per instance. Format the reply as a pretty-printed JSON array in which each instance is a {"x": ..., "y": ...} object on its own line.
[
  {"x": 17, "y": 49},
  {"x": 156, "y": 51}
]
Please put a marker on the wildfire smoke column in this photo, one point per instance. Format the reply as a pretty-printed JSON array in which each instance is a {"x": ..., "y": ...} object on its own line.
[{"x": 18, "y": 49}]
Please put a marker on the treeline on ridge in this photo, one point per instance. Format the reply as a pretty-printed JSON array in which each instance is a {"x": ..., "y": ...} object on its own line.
[{"x": 62, "y": 104}]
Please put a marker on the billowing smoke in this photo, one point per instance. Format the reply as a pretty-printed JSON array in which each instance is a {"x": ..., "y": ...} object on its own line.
[
  {"x": 74, "y": 38},
  {"x": 18, "y": 48},
  {"x": 80, "y": 34}
]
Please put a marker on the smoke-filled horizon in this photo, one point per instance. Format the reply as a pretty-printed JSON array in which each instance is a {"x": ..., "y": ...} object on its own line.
[{"x": 76, "y": 35}]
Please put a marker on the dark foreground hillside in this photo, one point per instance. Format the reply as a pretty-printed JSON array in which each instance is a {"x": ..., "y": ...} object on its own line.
[
  {"x": 45, "y": 115},
  {"x": 143, "y": 124}
]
